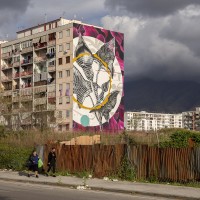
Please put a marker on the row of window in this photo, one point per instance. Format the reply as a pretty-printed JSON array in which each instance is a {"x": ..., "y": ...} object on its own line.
[
  {"x": 60, "y": 60},
  {"x": 65, "y": 99},
  {"x": 60, "y": 74},
  {"x": 61, "y": 34},
  {"x": 64, "y": 114},
  {"x": 61, "y": 47}
]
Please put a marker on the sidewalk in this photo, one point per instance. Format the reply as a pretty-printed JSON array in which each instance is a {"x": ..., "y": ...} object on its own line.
[{"x": 159, "y": 190}]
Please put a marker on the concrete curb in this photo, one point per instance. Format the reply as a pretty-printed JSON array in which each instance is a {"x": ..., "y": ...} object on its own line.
[{"x": 74, "y": 186}]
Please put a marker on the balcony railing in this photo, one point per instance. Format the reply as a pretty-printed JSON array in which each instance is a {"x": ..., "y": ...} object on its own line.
[
  {"x": 6, "y": 79},
  {"x": 41, "y": 46},
  {"x": 26, "y": 73},
  {"x": 26, "y": 98},
  {"x": 6, "y": 55},
  {"x": 40, "y": 101},
  {"x": 51, "y": 106},
  {"x": 27, "y": 62},
  {"x": 25, "y": 92},
  {"x": 16, "y": 64},
  {"x": 52, "y": 43},
  {"x": 16, "y": 99},
  {"x": 4, "y": 67},
  {"x": 51, "y": 68},
  {"x": 16, "y": 75},
  {"x": 26, "y": 50},
  {"x": 8, "y": 92},
  {"x": 40, "y": 59}
]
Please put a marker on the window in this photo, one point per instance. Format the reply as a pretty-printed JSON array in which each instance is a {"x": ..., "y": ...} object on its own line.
[
  {"x": 68, "y": 46},
  {"x": 67, "y": 127},
  {"x": 52, "y": 36},
  {"x": 60, "y": 61},
  {"x": 60, "y": 48},
  {"x": 68, "y": 32},
  {"x": 67, "y": 114},
  {"x": 60, "y": 35},
  {"x": 68, "y": 59},
  {"x": 67, "y": 100},
  {"x": 60, "y": 74},
  {"x": 60, "y": 100},
  {"x": 60, "y": 128},
  {"x": 59, "y": 114},
  {"x": 67, "y": 89},
  {"x": 60, "y": 89},
  {"x": 68, "y": 73}
]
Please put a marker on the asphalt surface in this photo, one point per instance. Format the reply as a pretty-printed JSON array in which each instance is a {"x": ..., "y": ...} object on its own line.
[{"x": 26, "y": 191}]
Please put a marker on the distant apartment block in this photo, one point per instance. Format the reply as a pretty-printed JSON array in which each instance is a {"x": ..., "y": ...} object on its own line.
[
  {"x": 191, "y": 119},
  {"x": 145, "y": 121},
  {"x": 64, "y": 75}
]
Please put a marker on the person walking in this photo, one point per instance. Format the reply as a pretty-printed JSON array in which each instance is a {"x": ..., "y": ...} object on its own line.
[
  {"x": 33, "y": 164},
  {"x": 52, "y": 161}
]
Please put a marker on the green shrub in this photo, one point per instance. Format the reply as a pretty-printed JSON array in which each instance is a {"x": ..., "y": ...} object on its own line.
[{"x": 13, "y": 157}]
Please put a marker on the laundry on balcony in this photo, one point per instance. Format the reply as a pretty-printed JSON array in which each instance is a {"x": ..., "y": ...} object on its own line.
[{"x": 50, "y": 55}]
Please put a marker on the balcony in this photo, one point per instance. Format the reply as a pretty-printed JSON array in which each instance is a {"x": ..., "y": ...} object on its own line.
[
  {"x": 52, "y": 43},
  {"x": 16, "y": 110},
  {"x": 50, "y": 55},
  {"x": 26, "y": 92},
  {"x": 38, "y": 90},
  {"x": 40, "y": 59},
  {"x": 40, "y": 101},
  {"x": 6, "y": 55},
  {"x": 41, "y": 46},
  {"x": 51, "y": 68},
  {"x": 27, "y": 62},
  {"x": 51, "y": 106},
  {"x": 16, "y": 64},
  {"x": 26, "y": 98},
  {"x": 8, "y": 92},
  {"x": 6, "y": 79},
  {"x": 26, "y": 50},
  {"x": 16, "y": 75},
  {"x": 26, "y": 73},
  {"x": 5, "y": 67},
  {"x": 16, "y": 99}
]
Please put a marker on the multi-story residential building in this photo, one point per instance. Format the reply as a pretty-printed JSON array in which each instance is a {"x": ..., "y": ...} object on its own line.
[
  {"x": 145, "y": 121},
  {"x": 191, "y": 119},
  {"x": 63, "y": 74}
]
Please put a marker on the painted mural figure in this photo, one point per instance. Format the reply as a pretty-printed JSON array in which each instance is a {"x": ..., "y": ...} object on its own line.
[{"x": 97, "y": 77}]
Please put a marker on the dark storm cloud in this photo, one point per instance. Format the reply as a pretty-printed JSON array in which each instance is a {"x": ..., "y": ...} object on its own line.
[
  {"x": 150, "y": 7},
  {"x": 17, "y": 5}
]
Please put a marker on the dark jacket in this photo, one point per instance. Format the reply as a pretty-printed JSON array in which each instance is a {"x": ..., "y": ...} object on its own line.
[
  {"x": 34, "y": 159},
  {"x": 52, "y": 158}
]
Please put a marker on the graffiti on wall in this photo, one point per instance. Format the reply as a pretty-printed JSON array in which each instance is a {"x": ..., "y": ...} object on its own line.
[{"x": 98, "y": 70}]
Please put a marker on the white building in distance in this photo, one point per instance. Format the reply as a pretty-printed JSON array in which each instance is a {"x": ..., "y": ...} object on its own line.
[{"x": 145, "y": 121}]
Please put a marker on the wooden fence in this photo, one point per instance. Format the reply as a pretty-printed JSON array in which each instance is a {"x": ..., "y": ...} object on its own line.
[{"x": 164, "y": 164}]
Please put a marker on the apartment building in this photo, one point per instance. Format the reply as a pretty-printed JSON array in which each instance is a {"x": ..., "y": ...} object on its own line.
[
  {"x": 191, "y": 119},
  {"x": 61, "y": 75},
  {"x": 145, "y": 121}
]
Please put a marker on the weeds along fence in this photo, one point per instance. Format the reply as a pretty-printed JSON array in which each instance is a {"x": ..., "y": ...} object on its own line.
[{"x": 162, "y": 164}]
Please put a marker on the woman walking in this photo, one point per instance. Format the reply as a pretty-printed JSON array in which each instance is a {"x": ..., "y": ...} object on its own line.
[{"x": 33, "y": 164}]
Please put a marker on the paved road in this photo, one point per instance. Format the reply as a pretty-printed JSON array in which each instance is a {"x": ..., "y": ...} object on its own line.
[{"x": 22, "y": 191}]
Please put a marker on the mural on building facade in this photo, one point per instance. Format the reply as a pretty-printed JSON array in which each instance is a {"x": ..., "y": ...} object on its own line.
[{"x": 98, "y": 64}]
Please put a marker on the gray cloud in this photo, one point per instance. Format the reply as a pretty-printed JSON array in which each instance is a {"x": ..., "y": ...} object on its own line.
[
  {"x": 19, "y": 5},
  {"x": 150, "y": 7},
  {"x": 162, "y": 48}
]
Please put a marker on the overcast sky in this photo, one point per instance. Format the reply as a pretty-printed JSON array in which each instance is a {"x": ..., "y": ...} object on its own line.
[{"x": 161, "y": 36}]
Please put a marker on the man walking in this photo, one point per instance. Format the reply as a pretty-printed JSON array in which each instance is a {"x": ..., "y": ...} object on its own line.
[{"x": 52, "y": 161}]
